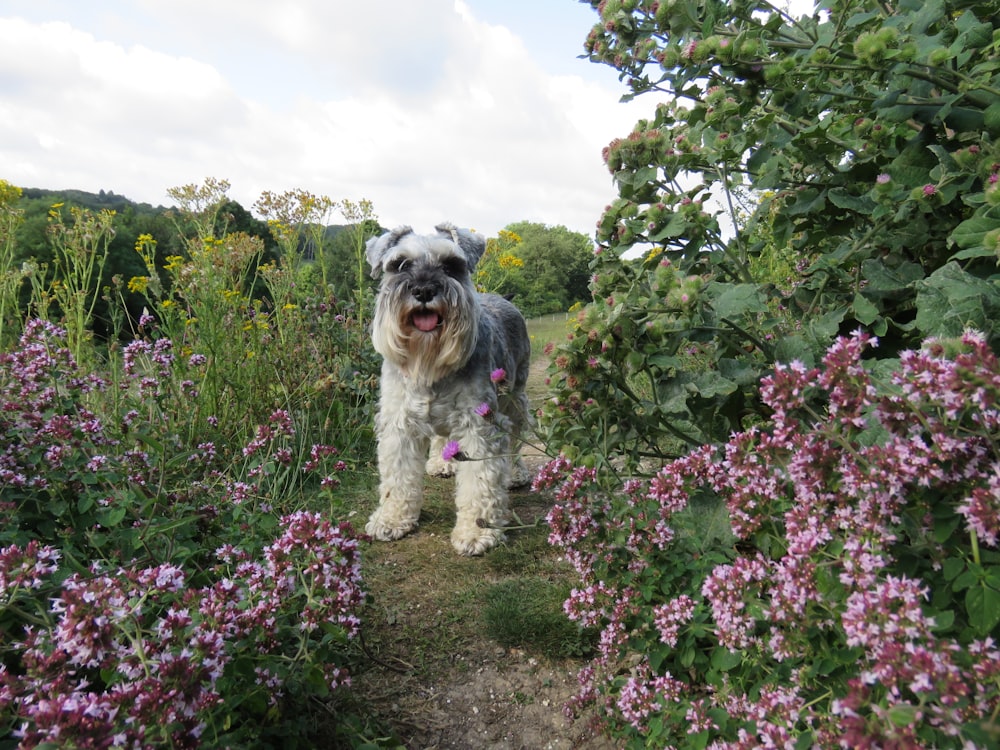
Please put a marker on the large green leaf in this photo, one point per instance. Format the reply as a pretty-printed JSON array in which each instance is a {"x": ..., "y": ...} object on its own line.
[
  {"x": 969, "y": 234},
  {"x": 732, "y": 301},
  {"x": 983, "y": 605},
  {"x": 951, "y": 300}
]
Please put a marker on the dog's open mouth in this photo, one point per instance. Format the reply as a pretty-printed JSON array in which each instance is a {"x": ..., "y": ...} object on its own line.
[{"x": 426, "y": 320}]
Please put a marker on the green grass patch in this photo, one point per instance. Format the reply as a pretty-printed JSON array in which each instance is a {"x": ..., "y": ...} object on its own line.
[
  {"x": 527, "y": 613},
  {"x": 548, "y": 328}
]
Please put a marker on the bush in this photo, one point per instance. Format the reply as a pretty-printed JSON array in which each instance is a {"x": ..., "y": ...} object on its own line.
[
  {"x": 150, "y": 594},
  {"x": 866, "y": 135},
  {"x": 857, "y": 600}
]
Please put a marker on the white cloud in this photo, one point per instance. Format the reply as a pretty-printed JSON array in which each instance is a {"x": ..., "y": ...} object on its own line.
[{"x": 422, "y": 108}]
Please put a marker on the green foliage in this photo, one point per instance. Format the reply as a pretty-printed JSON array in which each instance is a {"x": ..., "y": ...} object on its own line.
[
  {"x": 11, "y": 277},
  {"x": 499, "y": 270},
  {"x": 554, "y": 273},
  {"x": 868, "y": 130}
]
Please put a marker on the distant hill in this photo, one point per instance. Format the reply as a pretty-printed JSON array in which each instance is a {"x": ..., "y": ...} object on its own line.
[{"x": 96, "y": 201}]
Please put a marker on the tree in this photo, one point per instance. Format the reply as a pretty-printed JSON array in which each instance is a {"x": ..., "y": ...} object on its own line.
[
  {"x": 874, "y": 128},
  {"x": 555, "y": 274}
]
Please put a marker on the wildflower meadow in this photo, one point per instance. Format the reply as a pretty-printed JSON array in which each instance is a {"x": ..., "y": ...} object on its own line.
[{"x": 172, "y": 569}]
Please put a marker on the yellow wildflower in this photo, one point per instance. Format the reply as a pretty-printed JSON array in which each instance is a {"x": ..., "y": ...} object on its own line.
[
  {"x": 508, "y": 261},
  {"x": 138, "y": 284}
]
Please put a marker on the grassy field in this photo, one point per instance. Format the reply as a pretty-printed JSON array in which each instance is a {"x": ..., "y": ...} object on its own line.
[{"x": 545, "y": 329}]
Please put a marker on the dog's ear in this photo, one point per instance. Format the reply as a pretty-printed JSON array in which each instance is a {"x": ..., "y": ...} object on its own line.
[
  {"x": 377, "y": 247},
  {"x": 473, "y": 244}
]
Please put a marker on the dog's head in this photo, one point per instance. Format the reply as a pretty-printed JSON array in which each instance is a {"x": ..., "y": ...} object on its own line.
[{"x": 427, "y": 312}]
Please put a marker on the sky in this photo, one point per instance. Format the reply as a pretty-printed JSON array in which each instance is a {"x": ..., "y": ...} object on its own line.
[{"x": 477, "y": 112}]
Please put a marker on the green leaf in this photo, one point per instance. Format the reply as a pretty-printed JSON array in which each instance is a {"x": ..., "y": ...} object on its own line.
[
  {"x": 951, "y": 300},
  {"x": 723, "y": 659},
  {"x": 944, "y": 620},
  {"x": 966, "y": 579},
  {"x": 794, "y": 348},
  {"x": 973, "y": 252},
  {"x": 732, "y": 301},
  {"x": 113, "y": 516},
  {"x": 969, "y": 234},
  {"x": 826, "y": 326},
  {"x": 983, "y": 605},
  {"x": 902, "y": 714},
  {"x": 674, "y": 228},
  {"x": 952, "y": 567},
  {"x": 864, "y": 311},
  {"x": 807, "y": 202},
  {"x": 843, "y": 199}
]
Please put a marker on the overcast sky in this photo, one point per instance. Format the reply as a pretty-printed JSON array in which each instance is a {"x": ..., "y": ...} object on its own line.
[{"x": 472, "y": 111}]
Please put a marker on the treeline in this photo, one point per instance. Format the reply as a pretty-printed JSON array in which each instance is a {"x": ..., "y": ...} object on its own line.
[{"x": 550, "y": 275}]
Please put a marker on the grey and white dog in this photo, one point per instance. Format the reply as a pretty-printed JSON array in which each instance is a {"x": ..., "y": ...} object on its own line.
[{"x": 455, "y": 363}]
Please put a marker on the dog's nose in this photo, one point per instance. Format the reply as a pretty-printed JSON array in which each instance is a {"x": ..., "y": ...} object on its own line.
[{"x": 423, "y": 292}]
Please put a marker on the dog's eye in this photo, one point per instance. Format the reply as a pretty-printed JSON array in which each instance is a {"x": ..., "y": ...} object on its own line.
[
  {"x": 454, "y": 267},
  {"x": 396, "y": 265}
]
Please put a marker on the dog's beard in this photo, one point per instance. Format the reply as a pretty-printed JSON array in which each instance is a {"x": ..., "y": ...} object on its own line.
[{"x": 426, "y": 343}]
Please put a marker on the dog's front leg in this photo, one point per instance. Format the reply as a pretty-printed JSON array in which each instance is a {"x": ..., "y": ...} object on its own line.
[
  {"x": 402, "y": 453},
  {"x": 481, "y": 494}
]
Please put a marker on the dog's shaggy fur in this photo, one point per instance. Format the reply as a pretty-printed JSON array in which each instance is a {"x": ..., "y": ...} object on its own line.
[{"x": 441, "y": 341}]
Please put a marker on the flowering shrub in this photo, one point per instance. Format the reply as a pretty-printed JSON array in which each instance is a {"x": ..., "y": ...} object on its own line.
[
  {"x": 138, "y": 657},
  {"x": 500, "y": 263},
  {"x": 854, "y": 599},
  {"x": 861, "y": 141},
  {"x": 150, "y": 595}
]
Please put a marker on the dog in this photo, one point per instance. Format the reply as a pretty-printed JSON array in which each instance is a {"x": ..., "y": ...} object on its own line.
[{"x": 454, "y": 367}]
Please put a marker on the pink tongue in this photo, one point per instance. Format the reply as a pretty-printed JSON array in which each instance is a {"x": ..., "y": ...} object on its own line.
[{"x": 425, "y": 321}]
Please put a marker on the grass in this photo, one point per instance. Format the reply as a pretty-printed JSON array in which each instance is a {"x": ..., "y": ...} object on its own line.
[
  {"x": 544, "y": 330},
  {"x": 526, "y": 612}
]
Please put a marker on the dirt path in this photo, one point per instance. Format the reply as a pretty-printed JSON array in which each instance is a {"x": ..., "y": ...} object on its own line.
[
  {"x": 437, "y": 676},
  {"x": 440, "y": 680}
]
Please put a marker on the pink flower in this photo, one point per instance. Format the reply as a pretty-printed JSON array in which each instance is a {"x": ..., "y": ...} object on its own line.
[
  {"x": 498, "y": 374},
  {"x": 451, "y": 450}
]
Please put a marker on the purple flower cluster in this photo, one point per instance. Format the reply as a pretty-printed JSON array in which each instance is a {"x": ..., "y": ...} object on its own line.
[
  {"x": 133, "y": 630},
  {"x": 854, "y": 604},
  {"x": 139, "y": 658}
]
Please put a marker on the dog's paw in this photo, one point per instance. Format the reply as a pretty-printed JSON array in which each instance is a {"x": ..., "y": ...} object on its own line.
[
  {"x": 520, "y": 476},
  {"x": 436, "y": 467},
  {"x": 378, "y": 528},
  {"x": 475, "y": 541}
]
